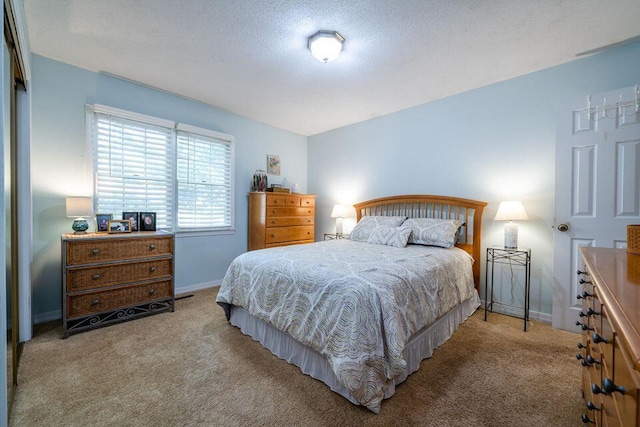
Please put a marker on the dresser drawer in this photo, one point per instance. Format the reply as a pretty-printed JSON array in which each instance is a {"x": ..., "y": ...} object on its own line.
[
  {"x": 307, "y": 202},
  {"x": 96, "y": 302},
  {"x": 108, "y": 275},
  {"x": 271, "y": 212},
  {"x": 286, "y": 221},
  {"x": 92, "y": 251},
  {"x": 626, "y": 403},
  {"x": 284, "y": 234},
  {"x": 275, "y": 200}
]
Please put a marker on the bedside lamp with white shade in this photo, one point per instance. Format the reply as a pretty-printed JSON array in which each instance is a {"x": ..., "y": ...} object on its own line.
[
  {"x": 511, "y": 211},
  {"x": 339, "y": 212},
  {"x": 78, "y": 208}
]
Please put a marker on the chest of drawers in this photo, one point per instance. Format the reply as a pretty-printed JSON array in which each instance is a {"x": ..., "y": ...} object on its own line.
[
  {"x": 610, "y": 347},
  {"x": 277, "y": 219},
  {"x": 109, "y": 278}
]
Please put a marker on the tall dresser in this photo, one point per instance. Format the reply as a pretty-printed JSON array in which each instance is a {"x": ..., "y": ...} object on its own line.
[
  {"x": 277, "y": 219},
  {"x": 610, "y": 347},
  {"x": 109, "y": 278}
]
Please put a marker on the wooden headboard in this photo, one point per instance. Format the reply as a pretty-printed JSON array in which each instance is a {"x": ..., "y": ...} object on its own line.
[{"x": 426, "y": 206}]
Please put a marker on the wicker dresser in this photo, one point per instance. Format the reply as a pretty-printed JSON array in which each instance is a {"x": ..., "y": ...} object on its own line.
[
  {"x": 277, "y": 219},
  {"x": 109, "y": 278},
  {"x": 610, "y": 347}
]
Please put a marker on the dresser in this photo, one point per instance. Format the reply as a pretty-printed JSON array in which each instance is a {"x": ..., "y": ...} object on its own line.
[
  {"x": 109, "y": 278},
  {"x": 277, "y": 219},
  {"x": 610, "y": 347}
]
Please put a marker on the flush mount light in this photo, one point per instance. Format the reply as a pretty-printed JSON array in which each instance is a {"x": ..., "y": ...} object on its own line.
[{"x": 325, "y": 45}]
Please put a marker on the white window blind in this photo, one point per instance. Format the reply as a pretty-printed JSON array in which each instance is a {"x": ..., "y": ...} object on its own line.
[
  {"x": 136, "y": 157},
  {"x": 204, "y": 181}
]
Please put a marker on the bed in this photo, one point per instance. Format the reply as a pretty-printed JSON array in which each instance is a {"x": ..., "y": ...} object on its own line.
[{"x": 356, "y": 314}]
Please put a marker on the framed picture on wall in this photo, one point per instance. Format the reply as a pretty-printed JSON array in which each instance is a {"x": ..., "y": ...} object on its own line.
[
  {"x": 134, "y": 217},
  {"x": 119, "y": 226},
  {"x": 147, "y": 221},
  {"x": 273, "y": 164},
  {"x": 102, "y": 222}
]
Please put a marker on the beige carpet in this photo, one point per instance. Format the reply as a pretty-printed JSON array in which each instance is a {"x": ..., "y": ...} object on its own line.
[{"x": 191, "y": 368}]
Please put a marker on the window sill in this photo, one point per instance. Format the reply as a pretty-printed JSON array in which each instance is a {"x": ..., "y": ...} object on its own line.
[{"x": 202, "y": 233}]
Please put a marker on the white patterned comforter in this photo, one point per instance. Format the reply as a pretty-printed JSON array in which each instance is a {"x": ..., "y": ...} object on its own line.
[{"x": 355, "y": 303}]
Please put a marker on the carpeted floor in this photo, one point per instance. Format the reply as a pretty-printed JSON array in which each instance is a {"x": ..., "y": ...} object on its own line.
[{"x": 191, "y": 368}]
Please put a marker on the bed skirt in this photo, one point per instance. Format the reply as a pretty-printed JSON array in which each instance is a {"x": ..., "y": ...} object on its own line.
[{"x": 312, "y": 363}]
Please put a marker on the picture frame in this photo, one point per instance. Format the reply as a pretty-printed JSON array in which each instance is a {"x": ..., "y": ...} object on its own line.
[
  {"x": 135, "y": 219},
  {"x": 147, "y": 221},
  {"x": 117, "y": 226},
  {"x": 102, "y": 222},
  {"x": 273, "y": 164}
]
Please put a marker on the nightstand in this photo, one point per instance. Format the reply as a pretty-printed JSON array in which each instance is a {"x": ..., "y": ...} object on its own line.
[
  {"x": 512, "y": 257},
  {"x": 334, "y": 236}
]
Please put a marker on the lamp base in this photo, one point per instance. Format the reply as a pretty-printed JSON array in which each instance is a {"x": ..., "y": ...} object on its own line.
[
  {"x": 80, "y": 226},
  {"x": 511, "y": 235},
  {"x": 339, "y": 225}
]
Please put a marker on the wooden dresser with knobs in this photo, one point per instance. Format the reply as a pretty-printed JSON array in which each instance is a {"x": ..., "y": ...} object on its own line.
[
  {"x": 280, "y": 219},
  {"x": 109, "y": 278},
  {"x": 610, "y": 347}
]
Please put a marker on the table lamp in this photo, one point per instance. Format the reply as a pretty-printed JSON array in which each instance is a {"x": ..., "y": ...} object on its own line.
[
  {"x": 511, "y": 211},
  {"x": 78, "y": 208}
]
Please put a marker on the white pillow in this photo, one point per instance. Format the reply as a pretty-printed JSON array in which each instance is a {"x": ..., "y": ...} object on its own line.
[
  {"x": 390, "y": 236},
  {"x": 367, "y": 224},
  {"x": 432, "y": 231}
]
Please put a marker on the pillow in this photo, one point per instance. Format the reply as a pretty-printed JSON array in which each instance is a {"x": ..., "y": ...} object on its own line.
[
  {"x": 367, "y": 224},
  {"x": 390, "y": 236},
  {"x": 433, "y": 231}
]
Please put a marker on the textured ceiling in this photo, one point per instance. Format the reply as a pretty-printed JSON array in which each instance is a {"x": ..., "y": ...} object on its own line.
[{"x": 250, "y": 57}]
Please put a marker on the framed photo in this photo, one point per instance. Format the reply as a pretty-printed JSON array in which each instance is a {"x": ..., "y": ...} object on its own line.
[
  {"x": 273, "y": 164},
  {"x": 135, "y": 219},
  {"x": 119, "y": 226},
  {"x": 147, "y": 221},
  {"x": 102, "y": 222}
]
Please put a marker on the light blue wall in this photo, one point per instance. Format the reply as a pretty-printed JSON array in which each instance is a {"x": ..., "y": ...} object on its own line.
[
  {"x": 492, "y": 144},
  {"x": 61, "y": 167}
]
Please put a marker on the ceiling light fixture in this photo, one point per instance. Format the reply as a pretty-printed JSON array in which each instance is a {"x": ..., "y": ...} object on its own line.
[{"x": 325, "y": 45}]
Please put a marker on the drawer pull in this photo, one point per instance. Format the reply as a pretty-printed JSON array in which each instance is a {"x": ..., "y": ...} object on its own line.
[
  {"x": 95, "y": 251},
  {"x": 592, "y": 407},
  {"x": 152, "y": 291},
  {"x": 598, "y": 339},
  {"x": 586, "y": 273},
  {"x": 153, "y": 269},
  {"x": 579, "y": 356},
  {"x": 591, "y": 312},
  {"x": 308, "y": 232},
  {"x": 308, "y": 220},
  {"x": 584, "y": 326},
  {"x": 95, "y": 301},
  {"x": 581, "y": 346},
  {"x": 582, "y": 281},
  {"x": 152, "y": 246},
  {"x": 609, "y": 387},
  {"x": 96, "y": 276},
  {"x": 584, "y": 295},
  {"x": 587, "y": 420},
  {"x": 590, "y": 360},
  {"x": 273, "y": 222}
]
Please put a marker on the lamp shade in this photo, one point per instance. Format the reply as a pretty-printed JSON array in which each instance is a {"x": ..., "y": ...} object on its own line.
[
  {"x": 325, "y": 46},
  {"x": 511, "y": 211},
  {"x": 79, "y": 207},
  {"x": 338, "y": 211}
]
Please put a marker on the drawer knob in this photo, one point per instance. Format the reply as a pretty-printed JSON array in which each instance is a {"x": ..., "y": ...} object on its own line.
[
  {"x": 308, "y": 220},
  {"x": 587, "y": 420},
  {"x": 152, "y": 291},
  {"x": 598, "y": 339},
  {"x": 584, "y": 327},
  {"x": 581, "y": 346},
  {"x": 592, "y": 407},
  {"x": 95, "y": 301},
  {"x": 153, "y": 269},
  {"x": 583, "y": 272},
  {"x": 590, "y": 360},
  {"x": 308, "y": 232},
  {"x": 152, "y": 246},
  {"x": 609, "y": 387},
  {"x": 584, "y": 295},
  {"x": 591, "y": 312},
  {"x": 273, "y": 222},
  {"x": 95, "y": 251},
  {"x": 273, "y": 235},
  {"x": 96, "y": 276},
  {"x": 582, "y": 281}
]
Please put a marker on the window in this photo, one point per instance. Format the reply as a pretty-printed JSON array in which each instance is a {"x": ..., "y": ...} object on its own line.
[{"x": 183, "y": 173}]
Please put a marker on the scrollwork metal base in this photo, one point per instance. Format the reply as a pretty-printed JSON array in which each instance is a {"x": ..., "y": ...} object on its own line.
[{"x": 98, "y": 320}]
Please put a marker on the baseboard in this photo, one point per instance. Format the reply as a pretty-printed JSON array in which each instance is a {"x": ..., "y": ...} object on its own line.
[
  {"x": 47, "y": 317},
  {"x": 518, "y": 312},
  {"x": 197, "y": 287}
]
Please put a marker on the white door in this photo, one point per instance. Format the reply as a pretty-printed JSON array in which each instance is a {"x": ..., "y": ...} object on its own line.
[{"x": 597, "y": 186}]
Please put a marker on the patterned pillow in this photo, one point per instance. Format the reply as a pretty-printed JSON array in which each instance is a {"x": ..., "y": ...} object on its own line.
[
  {"x": 432, "y": 231},
  {"x": 367, "y": 224},
  {"x": 390, "y": 236}
]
